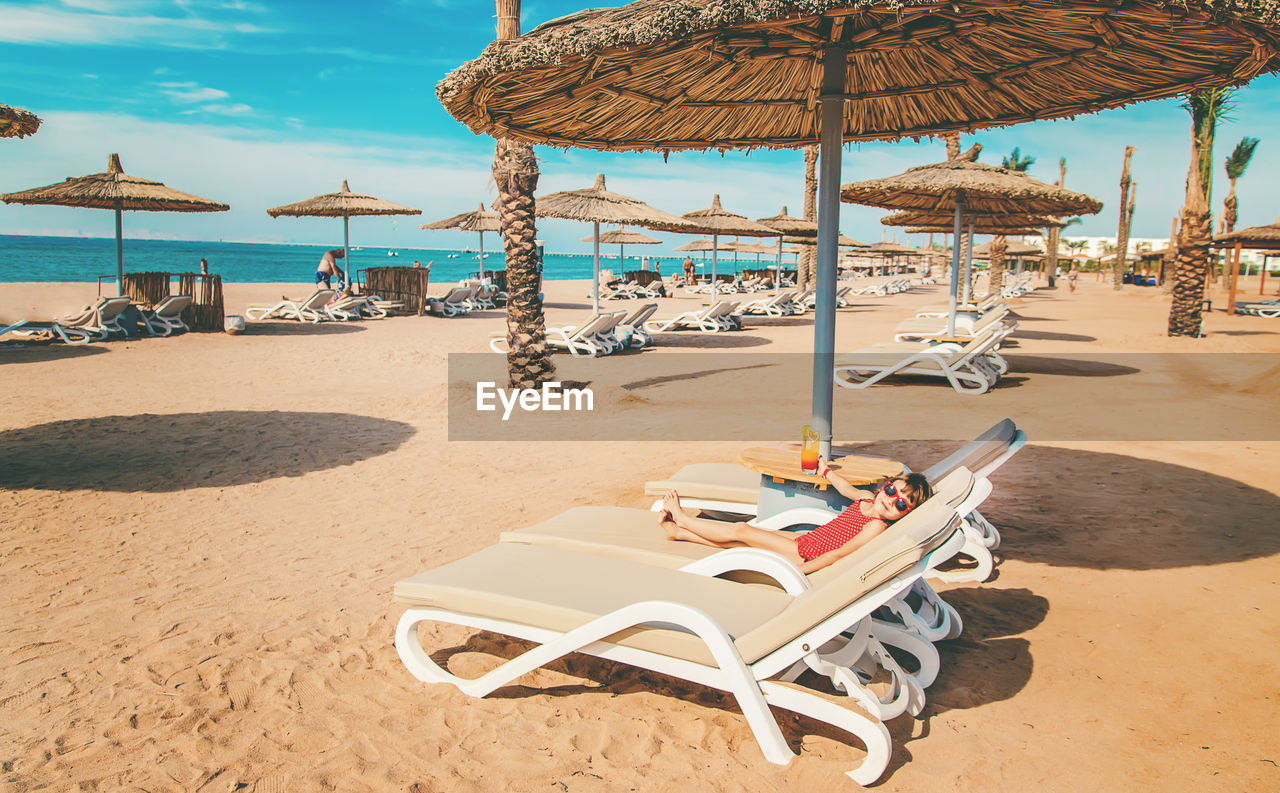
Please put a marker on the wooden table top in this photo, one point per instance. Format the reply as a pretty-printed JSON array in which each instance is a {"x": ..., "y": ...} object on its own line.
[{"x": 783, "y": 462}]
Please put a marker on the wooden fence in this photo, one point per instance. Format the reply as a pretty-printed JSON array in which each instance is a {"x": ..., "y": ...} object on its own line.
[
  {"x": 407, "y": 284},
  {"x": 205, "y": 311}
]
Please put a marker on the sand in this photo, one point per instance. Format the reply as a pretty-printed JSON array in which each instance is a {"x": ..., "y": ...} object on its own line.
[{"x": 199, "y": 538}]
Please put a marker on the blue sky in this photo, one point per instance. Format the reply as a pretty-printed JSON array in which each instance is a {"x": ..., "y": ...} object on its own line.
[{"x": 258, "y": 104}]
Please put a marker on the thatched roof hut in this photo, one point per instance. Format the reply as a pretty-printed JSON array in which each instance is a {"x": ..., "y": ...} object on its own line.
[
  {"x": 479, "y": 220},
  {"x": 981, "y": 188},
  {"x": 1254, "y": 237},
  {"x": 17, "y": 123},
  {"x": 1013, "y": 250},
  {"x": 341, "y": 204},
  {"x": 699, "y": 245},
  {"x": 687, "y": 74}
]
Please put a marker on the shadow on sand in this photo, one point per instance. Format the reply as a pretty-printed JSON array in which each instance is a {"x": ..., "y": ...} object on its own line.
[
  {"x": 39, "y": 353},
  {"x": 301, "y": 328},
  {"x": 169, "y": 452},
  {"x": 708, "y": 341}
]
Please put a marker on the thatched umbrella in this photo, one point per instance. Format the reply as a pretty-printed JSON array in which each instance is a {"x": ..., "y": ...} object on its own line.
[
  {"x": 670, "y": 75},
  {"x": 17, "y": 123},
  {"x": 118, "y": 191},
  {"x": 959, "y": 186},
  {"x": 480, "y": 221},
  {"x": 621, "y": 237},
  {"x": 792, "y": 226},
  {"x": 346, "y": 205},
  {"x": 716, "y": 220},
  {"x": 700, "y": 245},
  {"x": 1012, "y": 248},
  {"x": 1264, "y": 238},
  {"x": 596, "y": 205}
]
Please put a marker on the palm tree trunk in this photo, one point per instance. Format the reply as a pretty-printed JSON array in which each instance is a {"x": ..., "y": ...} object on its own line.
[
  {"x": 1193, "y": 250},
  {"x": 515, "y": 170},
  {"x": 805, "y": 265},
  {"x": 1122, "y": 233},
  {"x": 995, "y": 281},
  {"x": 953, "y": 144},
  {"x": 1230, "y": 205},
  {"x": 1170, "y": 258}
]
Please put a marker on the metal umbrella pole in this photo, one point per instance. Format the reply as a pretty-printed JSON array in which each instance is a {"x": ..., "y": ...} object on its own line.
[
  {"x": 595, "y": 270},
  {"x": 346, "y": 251},
  {"x": 830, "y": 138},
  {"x": 119, "y": 250},
  {"x": 968, "y": 267},
  {"x": 777, "y": 274},
  {"x": 955, "y": 272},
  {"x": 715, "y": 260}
]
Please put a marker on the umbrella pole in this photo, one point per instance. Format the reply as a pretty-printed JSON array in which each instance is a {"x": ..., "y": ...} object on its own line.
[
  {"x": 830, "y": 138},
  {"x": 595, "y": 270},
  {"x": 968, "y": 266},
  {"x": 481, "y": 254},
  {"x": 346, "y": 250},
  {"x": 955, "y": 273},
  {"x": 119, "y": 252},
  {"x": 715, "y": 260},
  {"x": 777, "y": 274}
]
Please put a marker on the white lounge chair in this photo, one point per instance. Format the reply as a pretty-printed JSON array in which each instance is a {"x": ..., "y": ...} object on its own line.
[
  {"x": 711, "y": 318},
  {"x": 685, "y": 623},
  {"x": 27, "y": 328},
  {"x": 967, "y": 326},
  {"x": 635, "y": 322},
  {"x": 166, "y": 316},
  {"x": 778, "y": 305},
  {"x": 964, "y": 367},
  {"x": 101, "y": 320},
  {"x": 309, "y": 310}
]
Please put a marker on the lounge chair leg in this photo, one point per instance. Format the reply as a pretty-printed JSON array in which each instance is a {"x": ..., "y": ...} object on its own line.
[
  {"x": 873, "y": 734},
  {"x": 928, "y": 661}
]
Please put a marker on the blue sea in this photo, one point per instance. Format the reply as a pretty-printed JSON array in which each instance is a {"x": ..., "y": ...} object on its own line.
[{"x": 31, "y": 258}]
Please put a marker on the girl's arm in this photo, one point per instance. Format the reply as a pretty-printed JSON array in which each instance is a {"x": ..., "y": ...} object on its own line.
[
  {"x": 868, "y": 533},
  {"x": 841, "y": 484}
]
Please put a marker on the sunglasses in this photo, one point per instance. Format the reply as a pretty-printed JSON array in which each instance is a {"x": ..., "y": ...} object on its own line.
[{"x": 901, "y": 504}]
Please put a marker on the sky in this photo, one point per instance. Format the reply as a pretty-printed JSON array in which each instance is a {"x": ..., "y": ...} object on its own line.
[{"x": 257, "y": 104}]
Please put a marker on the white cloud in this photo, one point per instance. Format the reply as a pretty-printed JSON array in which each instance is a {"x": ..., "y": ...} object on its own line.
[
  {"x": 91, "y": 22},
  {"x": 191, "y": 92}
]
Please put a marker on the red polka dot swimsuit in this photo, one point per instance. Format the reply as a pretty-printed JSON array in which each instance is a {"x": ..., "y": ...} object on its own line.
[{"x": 835, "y": 533}]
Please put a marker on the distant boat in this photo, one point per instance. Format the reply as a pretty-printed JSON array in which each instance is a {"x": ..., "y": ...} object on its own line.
[
  {"x": 392, "y": 253},
  {"x": 454, "y": 255}
]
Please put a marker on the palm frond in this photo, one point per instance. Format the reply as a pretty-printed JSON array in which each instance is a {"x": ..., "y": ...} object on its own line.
[
  {"x": 1014, "y": 161},
  {"x": 1074, "y": 222},
  {"x": 1240, "y": 157}
]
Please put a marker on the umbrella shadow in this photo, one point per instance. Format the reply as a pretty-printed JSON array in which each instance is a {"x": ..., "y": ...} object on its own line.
[
  {"x": 777, "y": 322},
  {"x": 300, "y": 328},
  {"x": 161, "y": 453},
  {"x": 708, "y": 341},
  {"x": 1050, "y": 336},
  {"x": 1103, "y": 511},
  {"x": 1069, "y": 367},
  {"x": 39, "y": 353}
]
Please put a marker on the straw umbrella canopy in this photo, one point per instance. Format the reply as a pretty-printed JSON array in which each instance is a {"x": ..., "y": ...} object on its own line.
[
  {"x": 932, "y": 223},
  {"x": 622, "y": 236},
  {"x": 118, "y": 191},
  {"x": 346, "y": 205},
  {"x": 672, "y": 75},
  {"x": 716, "y": 220},
  {"x": 479, "y": 221},
  {"x": 1013, "y": 249},
  {"x": 793, "y": 226},
  {"x": 17, "y": 123},
  {"x": 596, "y": 205},
  {"x": 959, "y": 186},
  {"x": 1263, "y": 238}
]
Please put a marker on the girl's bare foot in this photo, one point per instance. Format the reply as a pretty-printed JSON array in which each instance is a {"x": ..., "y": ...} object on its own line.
[{"x": 671, "y": 505}]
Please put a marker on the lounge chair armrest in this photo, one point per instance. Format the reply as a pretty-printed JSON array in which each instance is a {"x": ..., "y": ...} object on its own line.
[{"x": 754, "y": 560}]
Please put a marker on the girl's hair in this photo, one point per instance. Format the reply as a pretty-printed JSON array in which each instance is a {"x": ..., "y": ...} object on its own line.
[{"x": 921, "y": 490}]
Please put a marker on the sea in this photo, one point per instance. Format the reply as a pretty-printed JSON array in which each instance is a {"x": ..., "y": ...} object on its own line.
[{"x": 48, "y": 259}]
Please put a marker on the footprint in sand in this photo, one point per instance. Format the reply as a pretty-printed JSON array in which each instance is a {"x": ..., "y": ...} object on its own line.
[
  {"x": 241, "y": 694},
  {"x": 272, "y": 783},
  {"x": 308, "y": 691}
]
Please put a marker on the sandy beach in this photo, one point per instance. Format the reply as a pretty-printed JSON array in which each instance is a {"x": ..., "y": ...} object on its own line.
[{"x": 200, "y": 536}]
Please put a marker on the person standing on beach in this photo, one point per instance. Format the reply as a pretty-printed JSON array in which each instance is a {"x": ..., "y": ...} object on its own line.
[
  {"x": 204, "y": 266},
  {"x": 1071, "y": 277},
  {"x": 328, "y": 267},
  {"x": 688, "y": 271}
]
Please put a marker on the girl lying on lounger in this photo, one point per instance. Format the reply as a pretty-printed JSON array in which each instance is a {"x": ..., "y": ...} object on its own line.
[{"x": 870, "y": 513}]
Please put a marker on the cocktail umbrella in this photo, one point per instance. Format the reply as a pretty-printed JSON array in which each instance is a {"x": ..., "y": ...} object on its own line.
[
  {"x": 346, "y": 205},
  {"x": 621, "y": 236},
  {"x": 716, "y": 220},
  {"x": 1265, "y": 238},
  {"x": 960, "y": 186},
  {"x": 115, "y": 190},
  {"x": 480, "y": 221},
  {"x": 596, "y": 205},
  {"x": 671, "y": 75},
  {"x": 791, "y": 226},
  {"x": 17, "y": 123}
]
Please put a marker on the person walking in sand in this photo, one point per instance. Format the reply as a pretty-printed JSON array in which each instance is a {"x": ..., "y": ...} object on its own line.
[
  {"x": 689, "y": 272},
  {"x": 1071, "y": 278},
  {"x": 328, "y": 267}
]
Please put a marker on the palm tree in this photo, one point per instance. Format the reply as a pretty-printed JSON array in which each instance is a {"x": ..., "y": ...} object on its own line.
[
  {"x": 1122, "y": 234},
  {"x": 953, "y": 144},
  {"x": 1014, "y": 161},
  {"x": 1236, "y": 164},
  {"x": 1055, "y": 235},
  {"x": 515, "y": 170},
  {"x": 1206, "y": 108},
  {"x": 805, "y": 264}
]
